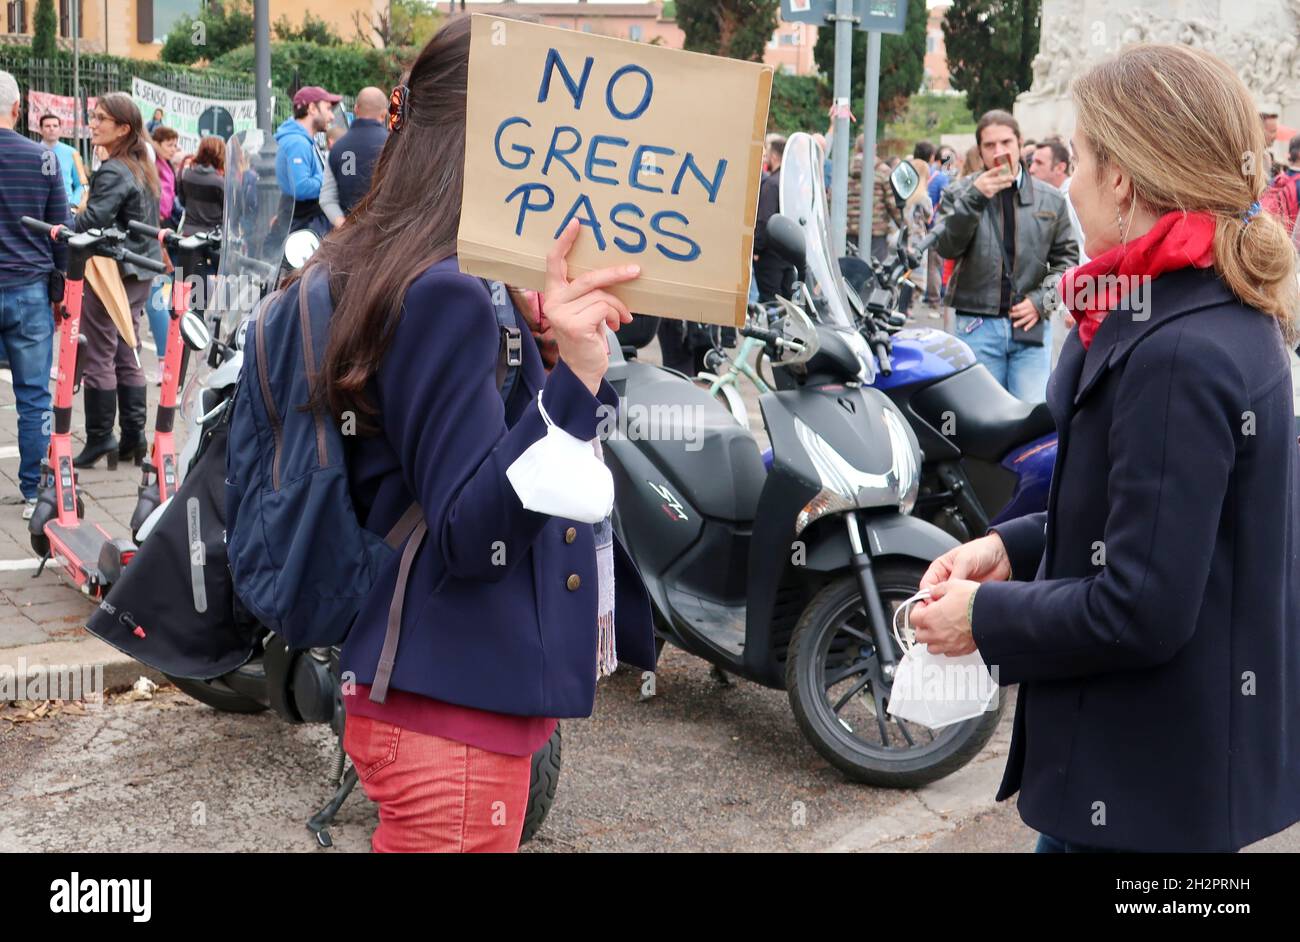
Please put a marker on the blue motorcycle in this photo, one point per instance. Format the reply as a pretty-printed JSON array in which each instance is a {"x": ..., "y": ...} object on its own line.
[{"x": 988, "y": 456}]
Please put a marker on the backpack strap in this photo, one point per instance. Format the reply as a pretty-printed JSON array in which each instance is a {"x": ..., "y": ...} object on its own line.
[
  {"x": 512, "y": 348},
  {"x": 315, "y": 307},
  {"x": 411, "y": 528}
]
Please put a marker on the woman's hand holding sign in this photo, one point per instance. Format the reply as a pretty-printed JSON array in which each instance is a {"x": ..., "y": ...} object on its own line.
[{"x": 578, "y": 311}]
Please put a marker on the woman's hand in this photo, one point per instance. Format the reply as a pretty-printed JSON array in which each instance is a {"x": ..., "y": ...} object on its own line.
[
  {"x": 578, "y": 311},
  {"x": 943, "y": 623},
  {"x": 982, "y": 560}
]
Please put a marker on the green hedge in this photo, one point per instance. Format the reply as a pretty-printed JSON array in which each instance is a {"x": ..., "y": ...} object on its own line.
[
  {"x": 799, "y": 103},
  {"x": 341, "y": 69}
]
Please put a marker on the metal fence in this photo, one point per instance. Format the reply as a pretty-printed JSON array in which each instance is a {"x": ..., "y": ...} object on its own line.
[{"x": 98, "y": 77}]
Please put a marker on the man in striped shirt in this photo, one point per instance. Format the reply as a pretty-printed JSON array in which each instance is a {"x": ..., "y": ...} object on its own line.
[{"x": 31, "y": 184}]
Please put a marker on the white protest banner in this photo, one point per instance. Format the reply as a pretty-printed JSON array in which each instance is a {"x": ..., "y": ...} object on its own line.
[
  {"x": 43, "y": 103},
  {"x": 657, "y": 152},
  {"x": 193, "y": 118}
]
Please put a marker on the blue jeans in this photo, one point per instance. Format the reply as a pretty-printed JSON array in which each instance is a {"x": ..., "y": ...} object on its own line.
[
  {"x": 159, "y": 311},
  {"x": 27, "y": 333},
  {"x": 1022, "y": 368}
]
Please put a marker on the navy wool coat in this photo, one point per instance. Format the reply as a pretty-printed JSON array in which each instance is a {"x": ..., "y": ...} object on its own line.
[
  {"x": 500, "y": 608},
  {"x": 1154, "y": 624}
]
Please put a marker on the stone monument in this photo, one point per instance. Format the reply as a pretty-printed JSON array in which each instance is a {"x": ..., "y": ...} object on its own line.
[{"x": 1258, "y": 38}]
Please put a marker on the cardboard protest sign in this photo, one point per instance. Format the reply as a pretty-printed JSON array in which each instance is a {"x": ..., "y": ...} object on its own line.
[{"x": 657, "y": 152}]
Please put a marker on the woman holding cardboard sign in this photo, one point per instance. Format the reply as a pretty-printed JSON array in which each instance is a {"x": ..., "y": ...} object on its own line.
[{"x": 518, "y": 597}]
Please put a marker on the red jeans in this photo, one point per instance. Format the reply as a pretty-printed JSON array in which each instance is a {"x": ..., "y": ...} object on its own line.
[{"x": 437, "y": 794}]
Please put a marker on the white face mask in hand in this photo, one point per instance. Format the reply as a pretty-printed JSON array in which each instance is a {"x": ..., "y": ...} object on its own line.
[
  {"x": 561, "y": 476},
  {"x": 935, "y": 690}
]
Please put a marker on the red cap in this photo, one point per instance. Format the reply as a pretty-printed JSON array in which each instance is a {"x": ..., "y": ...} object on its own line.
[{"x": 309, "y": 93}]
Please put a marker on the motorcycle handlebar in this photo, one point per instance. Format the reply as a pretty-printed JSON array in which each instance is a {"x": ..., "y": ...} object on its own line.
[{"x": 758, "y": 333}]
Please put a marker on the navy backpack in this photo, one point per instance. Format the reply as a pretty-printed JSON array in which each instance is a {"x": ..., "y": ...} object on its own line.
[{"x": 302, "y": 562}]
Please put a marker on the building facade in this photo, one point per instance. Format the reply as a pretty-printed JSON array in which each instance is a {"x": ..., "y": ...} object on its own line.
[{"x": 136, "y": 28}]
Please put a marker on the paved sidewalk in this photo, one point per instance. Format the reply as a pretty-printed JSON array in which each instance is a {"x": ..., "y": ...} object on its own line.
[{"x": 42, "y": 619}]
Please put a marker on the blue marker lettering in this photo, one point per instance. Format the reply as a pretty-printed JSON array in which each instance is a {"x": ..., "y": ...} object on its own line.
[
  {"x": 524, "y": 191},
  {"x": 688, "y": 256},
  {"x": 593, "y": 160},
  {"x": 517, "y": 148},
  {"x": 710, "y": 186},
  {"x": 576, "y": 91},
  {"x": 554, "y": 153},
  {"x": 645, "y": 96},
  {"x": 639, "y": 166},
  {"x": 626, "y": 227}
]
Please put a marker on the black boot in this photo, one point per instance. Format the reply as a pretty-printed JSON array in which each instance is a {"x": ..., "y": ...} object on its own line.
[
  {"x": 133, "y": 410},
  {"x": 101, "y": 408}
]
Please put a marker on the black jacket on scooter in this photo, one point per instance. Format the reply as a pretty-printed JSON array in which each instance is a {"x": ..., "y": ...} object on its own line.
[{"x": 1155, "y": 629}]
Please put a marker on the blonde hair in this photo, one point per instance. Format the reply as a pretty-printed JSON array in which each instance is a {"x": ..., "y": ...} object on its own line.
[
  {"x": 973, "y": 162},
  {"x": 1184, "y": 127}
]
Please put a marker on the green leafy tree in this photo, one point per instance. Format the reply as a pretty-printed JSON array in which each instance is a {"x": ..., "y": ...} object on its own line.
[
  {"x": 313, "y": 30},
  {"x": 344, "y": 68},
  {"x": 990, "y": 45},
  {"x": 402, "y": 23},
  {"x": 736, "y": 28},
  {"x": 219, "y": 28},
  {"x": 799, "y": 102},
  {"x": 45, "y": 27},
  {"x": 902, "y": 62}
]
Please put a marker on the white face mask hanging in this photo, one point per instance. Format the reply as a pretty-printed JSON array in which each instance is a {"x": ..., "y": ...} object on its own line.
[
  {"x": 562, "y": 476},
  {"x": 935, "y": 690}
]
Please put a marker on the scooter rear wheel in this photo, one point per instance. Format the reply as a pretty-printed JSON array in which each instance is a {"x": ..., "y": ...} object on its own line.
[
  {"x": 834, "y": 684},
  {"x": 217, "y": 695}
]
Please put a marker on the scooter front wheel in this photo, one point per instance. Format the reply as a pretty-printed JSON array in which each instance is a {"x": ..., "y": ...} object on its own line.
[{"x": 840, "y": 696}]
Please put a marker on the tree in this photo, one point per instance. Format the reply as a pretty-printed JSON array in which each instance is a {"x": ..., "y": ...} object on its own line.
[
  {"x": 45, "y": 27},
  {"x": 313, "y": 30},
  {"x": 218, "y": 28},
  {"x": 902, "y": 62},
  {"x": 736, "y": 28},
  {"x": 402, "y": 23},
  {"x": 991, "y": 44}
]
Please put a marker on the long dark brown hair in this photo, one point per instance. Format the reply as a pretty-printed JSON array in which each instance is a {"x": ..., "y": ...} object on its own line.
[
  {"x": 131, "y": 147},
  {"x": 405, "y": 223}
]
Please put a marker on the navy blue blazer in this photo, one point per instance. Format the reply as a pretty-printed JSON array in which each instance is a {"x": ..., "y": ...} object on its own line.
[
  {"x": 493, "y": 618},
  {"x": 1157, "y": 646}
]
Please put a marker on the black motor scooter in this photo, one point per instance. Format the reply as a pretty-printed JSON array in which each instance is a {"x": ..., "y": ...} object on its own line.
[{"x": 788, "y": 577}]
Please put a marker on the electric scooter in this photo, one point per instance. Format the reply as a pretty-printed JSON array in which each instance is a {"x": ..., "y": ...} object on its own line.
[
  {"x": 186, "y": 331},
  {"x": 89, "y": 555}
]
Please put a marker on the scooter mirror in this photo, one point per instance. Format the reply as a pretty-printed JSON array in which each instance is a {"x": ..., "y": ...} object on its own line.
[
  {"x": 194, "y": 332},
  {"x": 800, "y": 334},
  {"x": 787, "y": 238},
  {"x": 300, "y": 245},
  {"x": 904, "y": 180}
]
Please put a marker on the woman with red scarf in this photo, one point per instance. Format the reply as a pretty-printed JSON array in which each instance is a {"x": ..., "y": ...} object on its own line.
[{"x": 1151, "y": 615}]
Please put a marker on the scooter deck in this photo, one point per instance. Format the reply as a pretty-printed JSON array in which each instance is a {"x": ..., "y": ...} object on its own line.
[{"x": 76, "y": 549}]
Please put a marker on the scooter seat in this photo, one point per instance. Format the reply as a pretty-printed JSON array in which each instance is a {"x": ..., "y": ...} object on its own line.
[
  {"x": 976, "y": 414},
  {"x": 708, "y": 459}
]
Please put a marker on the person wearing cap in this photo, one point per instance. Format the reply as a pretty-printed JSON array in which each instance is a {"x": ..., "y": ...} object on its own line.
[
  {"x": 299, "y": 169},
  {"x": 1268, "y": 112}
]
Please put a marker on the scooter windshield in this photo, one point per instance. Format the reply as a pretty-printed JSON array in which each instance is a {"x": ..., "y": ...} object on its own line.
[
  {"x": 803, "y": 199},
  {"x": 253, "y": 235}
]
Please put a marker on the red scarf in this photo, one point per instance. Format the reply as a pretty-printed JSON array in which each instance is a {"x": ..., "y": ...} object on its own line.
[{"x": 1177, "y": 240}]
